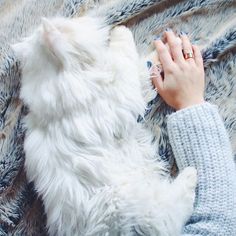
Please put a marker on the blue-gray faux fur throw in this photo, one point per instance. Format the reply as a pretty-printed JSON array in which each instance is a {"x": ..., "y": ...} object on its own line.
[{"x": 210, "y": 23}]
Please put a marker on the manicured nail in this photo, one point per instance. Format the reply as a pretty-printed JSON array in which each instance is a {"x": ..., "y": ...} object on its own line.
[
  {"x": 156, "y": 37},
  {"x": 168, "y": 29},
  {"x": 149, "y": 64},
  {"x": 183, "y": 33}
]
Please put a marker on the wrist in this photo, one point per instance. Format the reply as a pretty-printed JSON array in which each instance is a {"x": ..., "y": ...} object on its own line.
[{"x": 189, "y": 104}]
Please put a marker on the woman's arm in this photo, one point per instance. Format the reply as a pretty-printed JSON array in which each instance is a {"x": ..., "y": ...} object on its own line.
[
  {"x": 199, "y": 139},
  {"x": 197, "y": 136}
]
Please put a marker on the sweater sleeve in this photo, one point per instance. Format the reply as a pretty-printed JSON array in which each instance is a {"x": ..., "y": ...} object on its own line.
[{"x": 199, "y": 139}]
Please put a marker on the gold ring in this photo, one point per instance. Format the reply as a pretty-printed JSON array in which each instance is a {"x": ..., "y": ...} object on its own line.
[{"x": 188, "y": 55}]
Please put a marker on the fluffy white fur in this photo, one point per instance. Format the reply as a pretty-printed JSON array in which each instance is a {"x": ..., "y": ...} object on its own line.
[{"x": 92, "y": 163}]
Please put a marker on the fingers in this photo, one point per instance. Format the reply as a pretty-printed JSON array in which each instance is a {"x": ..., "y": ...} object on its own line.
[
  {"x": 187, "y": 46},
  {"x": 175, "y": 44},
  {"x": 172, "y": 53},
  {"x": 157, "y": 81},
  {"x": 155, "y": 73},
  {"x": 197, "y": 55},
  {"x": 158, "y": 84},
  {"x": 164, "y": 55}
]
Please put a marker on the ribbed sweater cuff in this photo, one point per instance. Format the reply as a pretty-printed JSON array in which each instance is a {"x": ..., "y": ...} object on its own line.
[
  {"x": 199, "y": 139},
  {"x": 195, "y": 132}
]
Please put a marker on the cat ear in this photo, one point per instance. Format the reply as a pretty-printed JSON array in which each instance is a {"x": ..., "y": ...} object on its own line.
[
  {"x": 50, "y": 33},
  {"x": 53, "y": 40},
  {"x": 48, "y": 26}
]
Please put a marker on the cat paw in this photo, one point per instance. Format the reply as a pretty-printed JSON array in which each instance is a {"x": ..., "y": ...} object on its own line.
[
  {"x": 121, "y": 33},
  {"x": 189, "y": 178},
  {"x": 184, "y": 194}
]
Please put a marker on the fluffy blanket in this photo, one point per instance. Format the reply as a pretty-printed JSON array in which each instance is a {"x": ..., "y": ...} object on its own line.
[{"x": 211, "y": 24}]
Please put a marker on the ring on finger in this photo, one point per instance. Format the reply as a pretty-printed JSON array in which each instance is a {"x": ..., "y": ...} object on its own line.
[
  {"x": 188, "y": 55},
  {"x": 155, "y": 70},
  {"x": 157, "y": 66}
]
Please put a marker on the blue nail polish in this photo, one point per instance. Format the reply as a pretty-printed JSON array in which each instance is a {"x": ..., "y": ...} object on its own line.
[
  {"x": 168, "y": 29},
  {"x": 149, "y": 64},
  {"x": 157, "y": 37},
  {"x": 183, "y": 33}
]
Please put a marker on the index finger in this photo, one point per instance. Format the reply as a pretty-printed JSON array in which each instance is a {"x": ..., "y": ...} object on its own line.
[{"x": 164, "y": 55}]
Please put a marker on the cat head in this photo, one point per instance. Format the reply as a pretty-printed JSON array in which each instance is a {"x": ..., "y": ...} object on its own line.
[
  {"x": 56, "y": 60},
  {"x": 60, "y": 41}
]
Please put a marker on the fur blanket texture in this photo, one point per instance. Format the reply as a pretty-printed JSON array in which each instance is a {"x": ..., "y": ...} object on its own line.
[{"x": 211, "y": 24}]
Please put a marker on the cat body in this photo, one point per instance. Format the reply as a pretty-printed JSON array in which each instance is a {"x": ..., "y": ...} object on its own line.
[{"x": 93, "y": 164}]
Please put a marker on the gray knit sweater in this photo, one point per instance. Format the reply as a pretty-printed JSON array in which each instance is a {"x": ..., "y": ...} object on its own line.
[{"x": 198, "y": 138}]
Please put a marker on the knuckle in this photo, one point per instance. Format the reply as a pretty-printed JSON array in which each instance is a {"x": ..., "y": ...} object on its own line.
[
  {"x": 182, "y": 66},
  {"x": 191, "y": 68},
  {"x": 175, "y": 43},
  {"x": 162, "y": 50},
  {"x": 187, "y": 49},
  {"x": 169, "y": 70},
  {"x": 185, "y": 38}
]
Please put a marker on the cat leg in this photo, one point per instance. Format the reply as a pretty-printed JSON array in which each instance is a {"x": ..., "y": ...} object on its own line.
[
  {"x": 183, "y": 196},
  {"x": 122, "y": 44},
  {"x": 122, "y": 41},
  {"x": 186, "y": 182},
  {"x": 125, "y": 67},
  {"x": 168, "y": 206},
  {"x": 188, "y": 177}
]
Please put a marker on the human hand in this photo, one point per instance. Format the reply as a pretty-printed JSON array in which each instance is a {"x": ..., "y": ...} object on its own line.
[{"x": 183, "y": 82}]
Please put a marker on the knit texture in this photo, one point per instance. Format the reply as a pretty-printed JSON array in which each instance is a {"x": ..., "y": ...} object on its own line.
[{"x": 199, "y": 139}]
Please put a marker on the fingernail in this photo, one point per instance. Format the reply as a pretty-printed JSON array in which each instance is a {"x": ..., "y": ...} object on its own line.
[
  {"x": 168, "y": 29},
  {"x": 149, "y": 64},
  {"x": 157, "y": 37},
  {"x": 183, "y": 33}
]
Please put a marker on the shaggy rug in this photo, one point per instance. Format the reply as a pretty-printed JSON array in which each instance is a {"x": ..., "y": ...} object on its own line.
[{"x": 211, "y": 24}]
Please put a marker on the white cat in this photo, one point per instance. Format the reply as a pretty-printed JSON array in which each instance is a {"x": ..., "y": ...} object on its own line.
[{"x": 92, "y": 163}]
